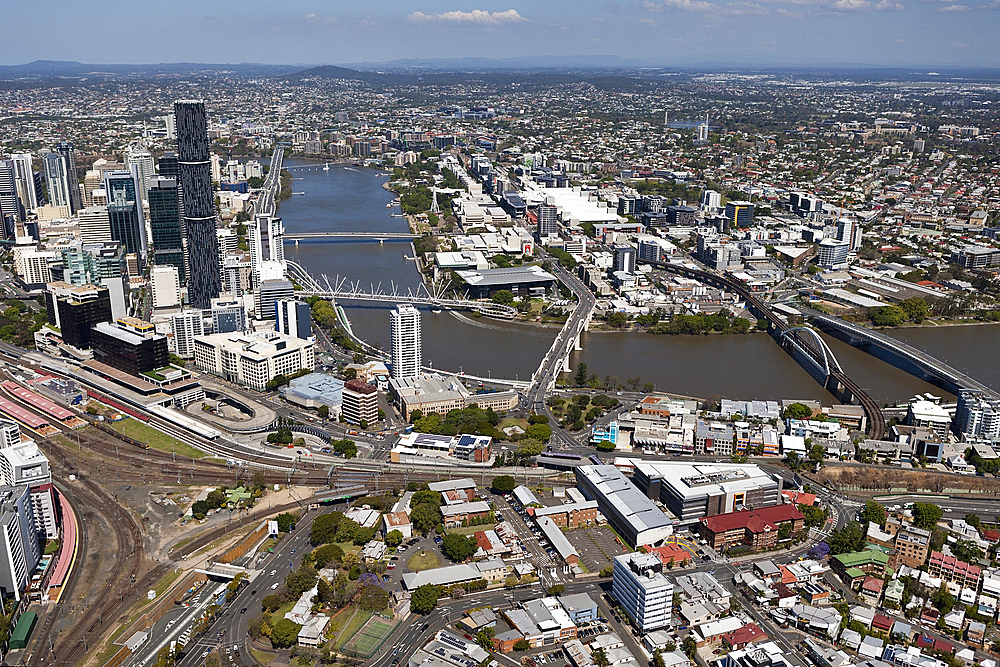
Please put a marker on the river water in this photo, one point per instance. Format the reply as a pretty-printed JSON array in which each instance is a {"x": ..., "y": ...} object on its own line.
[{"x": 739, "y": 367}]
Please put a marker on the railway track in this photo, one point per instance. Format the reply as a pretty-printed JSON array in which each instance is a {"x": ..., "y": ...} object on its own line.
[{"x": 116, "y": 594}]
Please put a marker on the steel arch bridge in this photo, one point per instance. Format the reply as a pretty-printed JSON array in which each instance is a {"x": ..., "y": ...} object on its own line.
[{"x": 820, "y": 353}]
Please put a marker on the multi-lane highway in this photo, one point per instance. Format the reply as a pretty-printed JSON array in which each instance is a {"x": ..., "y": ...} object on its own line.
[{"x": 230, "y": 630}]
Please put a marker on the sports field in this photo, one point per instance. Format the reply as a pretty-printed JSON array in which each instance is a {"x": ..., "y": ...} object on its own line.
[{"x": 371, "y": 636}]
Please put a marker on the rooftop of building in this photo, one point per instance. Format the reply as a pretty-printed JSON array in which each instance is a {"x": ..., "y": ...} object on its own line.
[
  {"x": 759, "y": 520},
  {"x": 693, "y": 480},
  {"x": 518, "y": 274},
  {"x": 630, "y": 503}
]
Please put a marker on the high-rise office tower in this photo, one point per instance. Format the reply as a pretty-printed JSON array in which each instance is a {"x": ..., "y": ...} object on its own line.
[
  {"x": 198, "y": 204},
  {"x": 407, "y": 352},
  {"x": 128, "y": 226},
  {"x": 165, "y": 224},
  {"x": 66, "y": 149},
  {"x": 292, "y": 318},
  {"x": 140, "y": 163},
  {"x": 11, "y": 209},
  {"x": 168, "y": 165},
  {"x": 24, "y": 173},
  {"x": 57, "y": 180},
  {"x": 165, "y": 286},
  {"x": 625, "y": 258},
  {"x": 740, "y": 214},
  {"x": 547, "y": 219},
  {"x": 848, "y": 230}
]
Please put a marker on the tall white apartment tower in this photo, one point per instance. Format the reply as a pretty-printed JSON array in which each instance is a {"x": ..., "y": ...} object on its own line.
[
  {"x": 185, "y": 325},
  {"x": 407, "y": 352},
  {"x": 140, "y": 163}
]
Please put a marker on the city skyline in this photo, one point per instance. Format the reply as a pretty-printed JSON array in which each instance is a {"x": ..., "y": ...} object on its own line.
[{"x": 668, "y": 32}]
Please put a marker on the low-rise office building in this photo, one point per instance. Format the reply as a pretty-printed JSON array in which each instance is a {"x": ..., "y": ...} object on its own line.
[
  {"x": 757, "y": 528},
  {"x": 441, "y": 394},
  {"x": 314, "y": 390},
  {"x": 694, "y": 490},
  {"x": 359, "y": 402},
  {"x": 570, "y": 515},
  {"x": 252, "y": 359}
]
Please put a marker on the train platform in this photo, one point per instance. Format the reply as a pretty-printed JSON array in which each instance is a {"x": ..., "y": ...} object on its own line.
[{"x": 69, "y": 548}]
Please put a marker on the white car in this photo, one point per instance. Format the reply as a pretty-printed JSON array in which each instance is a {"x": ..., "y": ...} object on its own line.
[
  {"x": 274, "y": 585},
  {"x": 273, "y": 572}
]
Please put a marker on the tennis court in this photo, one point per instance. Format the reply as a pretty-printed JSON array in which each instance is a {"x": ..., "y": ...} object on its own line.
[{"x": 370, "y": 637}]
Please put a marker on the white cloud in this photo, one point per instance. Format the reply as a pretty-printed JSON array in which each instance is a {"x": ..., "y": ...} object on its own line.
[
  {"x": 691, "y": 5},
  {"x": 745, "y": 9},
  {"x": 480, "y": 16},
  {"x": 320, "y": 20},
  {"x": 851, "y": 5},
  {"x": 901, "y": 41},
  {"x": 650, "y": 22},
  {"x": 960, "y": 45},
  {"x": 956, "y": 8},
  {"x": 888, "y": 6},
  {"x": 652, "y": 6}
]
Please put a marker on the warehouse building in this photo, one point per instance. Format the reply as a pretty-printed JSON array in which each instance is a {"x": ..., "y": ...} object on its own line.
[{"x": 633, "y": 515}]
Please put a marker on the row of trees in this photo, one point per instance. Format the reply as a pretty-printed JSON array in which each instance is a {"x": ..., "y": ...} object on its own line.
[
  {"x": 914, "y": 309},
  {"x": 702, "y": 323},
  {"x": 473, "y": 420}
]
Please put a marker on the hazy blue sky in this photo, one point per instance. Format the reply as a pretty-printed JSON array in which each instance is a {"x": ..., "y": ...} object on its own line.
[{"x": 890, "y": 32}]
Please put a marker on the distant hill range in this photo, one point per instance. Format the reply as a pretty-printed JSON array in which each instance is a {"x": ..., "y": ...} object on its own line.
[
  {"x": 45, "y": 69},
  {"x": 540, "y": 70}
]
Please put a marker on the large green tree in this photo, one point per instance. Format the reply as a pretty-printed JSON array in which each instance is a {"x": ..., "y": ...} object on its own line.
[
  {"x": 424, "y": 599},
  {"x": 798, "y": 411},
  {"x": 926, "y": 515},
  {"x": 425, "y": 516},
  {"x": 848, "y": 539},
  {"x": 504, "y": 483},
  {"x": 874, "y": 513},
  {"x": 458, "y": 547},
  {"x": 285, "y": 633},
  {"x": 325, "y": 526}
]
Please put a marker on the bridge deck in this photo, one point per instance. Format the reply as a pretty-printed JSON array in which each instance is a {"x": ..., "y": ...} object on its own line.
[
  {"x": 876, "y": 420},
  {"x": 918, "y": 357}
]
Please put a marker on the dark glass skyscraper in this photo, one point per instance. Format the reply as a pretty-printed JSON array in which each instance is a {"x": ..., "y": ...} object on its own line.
[
  {"x": 168, "y": 165},
  {"x": 66, "y": 149},
  {"x": 204, "y": 281},
  {"x": 165, "y": 223},
  {"x": 128, "y": 226}
]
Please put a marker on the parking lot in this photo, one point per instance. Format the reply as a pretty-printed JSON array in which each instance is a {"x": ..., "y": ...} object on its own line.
[{"x": 597, "y": 546}]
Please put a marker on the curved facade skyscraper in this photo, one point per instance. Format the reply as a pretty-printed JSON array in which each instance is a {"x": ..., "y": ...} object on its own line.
[{"x": 194, "y": 165}]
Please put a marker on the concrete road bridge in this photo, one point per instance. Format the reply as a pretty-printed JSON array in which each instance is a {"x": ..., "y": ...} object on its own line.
[{"x": 378, "y": 236}]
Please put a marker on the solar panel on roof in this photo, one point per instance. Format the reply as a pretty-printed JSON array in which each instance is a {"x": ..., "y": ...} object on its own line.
[{"x": 466, "y": 440}]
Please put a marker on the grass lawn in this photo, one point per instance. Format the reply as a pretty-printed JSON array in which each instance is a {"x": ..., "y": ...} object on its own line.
[
  {"x": 423, "y": 560},
  {"x": 134, "y": 428},
  {"x": 280, "y": 612},
  {"x": 512, "y": 421},
  {"x": 262, "y": 657},
  {"x": 51, "y": 547},
  {"x": 469, "y": 530}
]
